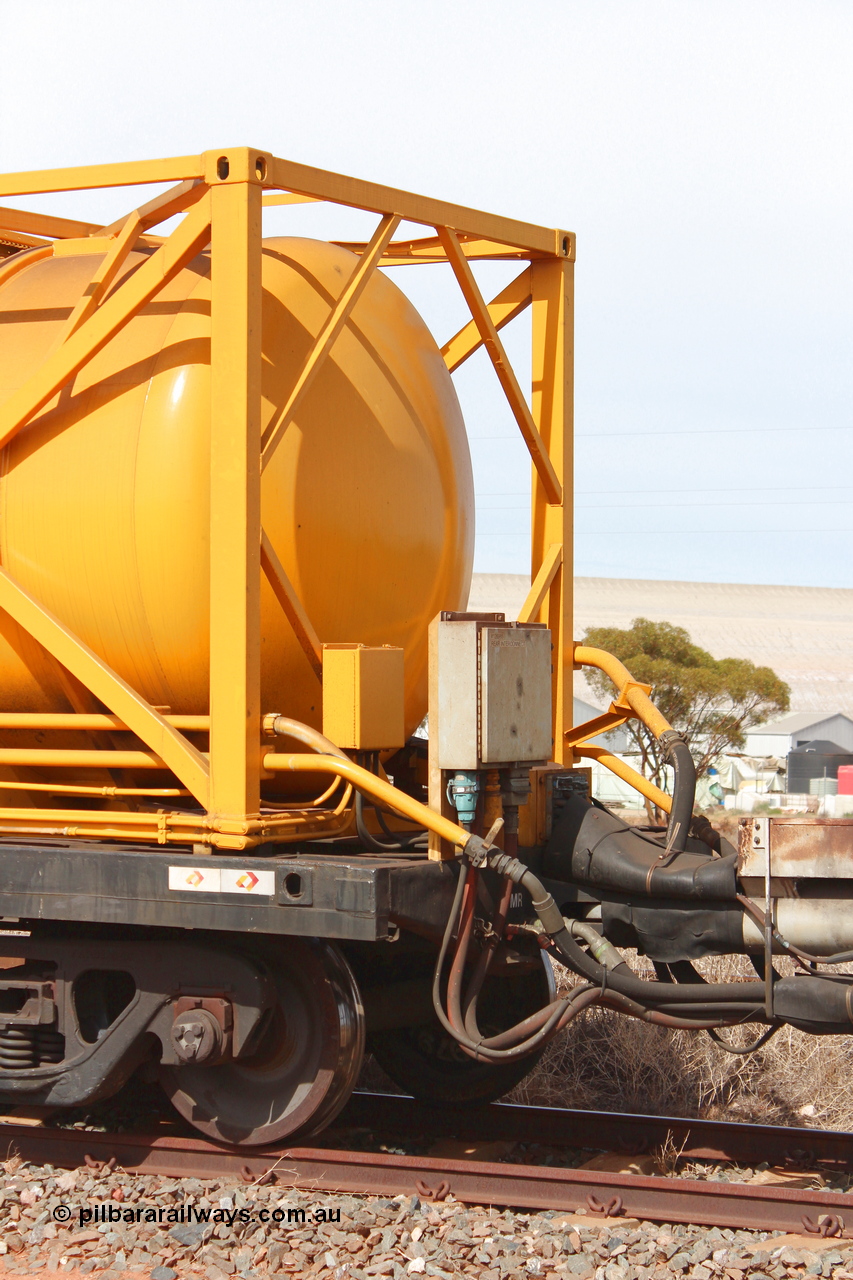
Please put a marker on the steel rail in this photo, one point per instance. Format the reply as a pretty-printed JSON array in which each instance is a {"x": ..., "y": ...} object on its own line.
[
  {"x": 598, "y": 1194},
  {"x": 719, "y": 1140}
]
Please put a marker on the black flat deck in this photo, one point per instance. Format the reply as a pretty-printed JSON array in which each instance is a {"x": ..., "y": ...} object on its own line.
[{"x": 359, "y": 897}]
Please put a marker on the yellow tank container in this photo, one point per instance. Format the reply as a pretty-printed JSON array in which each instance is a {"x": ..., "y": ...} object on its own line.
[{"x": 104, "y": 497}]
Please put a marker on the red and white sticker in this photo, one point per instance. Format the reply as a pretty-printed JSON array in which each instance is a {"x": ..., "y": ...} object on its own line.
[
  {"x": 195, "y": 879},
  {"x": 248, "y": 880},
  {"x": 236, "y": 880}
]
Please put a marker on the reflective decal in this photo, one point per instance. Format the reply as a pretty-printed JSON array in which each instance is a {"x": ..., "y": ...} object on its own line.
[
  {"x": 248, "y": 880},
  {"x": 195, "y": 879}
]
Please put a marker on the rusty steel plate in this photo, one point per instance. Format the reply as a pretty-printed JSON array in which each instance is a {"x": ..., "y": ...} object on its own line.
[{"x": 800, "y": 846}]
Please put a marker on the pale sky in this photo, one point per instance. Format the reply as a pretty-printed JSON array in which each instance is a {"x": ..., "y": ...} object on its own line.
[{"x": 700, "y": 151}]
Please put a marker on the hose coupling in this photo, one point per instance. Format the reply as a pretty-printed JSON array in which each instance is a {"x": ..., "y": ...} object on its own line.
[
  {"x": 600, "y": 949},
  {"x": 550, "y": 915},
  {"x": 506, "y": 865},
  {"x": 669, "y": 739}
]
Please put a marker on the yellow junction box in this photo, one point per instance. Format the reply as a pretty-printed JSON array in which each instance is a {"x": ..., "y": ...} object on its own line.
[{"x": 363, "y": 696}]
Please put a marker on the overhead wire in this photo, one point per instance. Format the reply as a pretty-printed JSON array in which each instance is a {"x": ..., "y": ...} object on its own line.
[{"x": 684, "y": 435}]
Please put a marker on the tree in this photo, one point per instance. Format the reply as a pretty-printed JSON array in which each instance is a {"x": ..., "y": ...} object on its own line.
[{"x": 712, "y": 701}]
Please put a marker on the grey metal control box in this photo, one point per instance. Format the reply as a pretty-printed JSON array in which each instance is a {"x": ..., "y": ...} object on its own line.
[{"x": 493, "y": 684}]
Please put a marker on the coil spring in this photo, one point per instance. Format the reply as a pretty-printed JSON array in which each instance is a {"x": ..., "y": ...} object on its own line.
[
  {"x": 18, "y": 1047},
  {"x": 22, "y": 1047},
  {"x": 50, "y": 1045}
]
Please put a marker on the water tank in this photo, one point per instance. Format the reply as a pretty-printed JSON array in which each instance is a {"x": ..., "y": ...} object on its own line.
[
  {"x": 104, "y": 497},
  {"x": 818, "y": 759},
  {"x": 845, "y": 780}
]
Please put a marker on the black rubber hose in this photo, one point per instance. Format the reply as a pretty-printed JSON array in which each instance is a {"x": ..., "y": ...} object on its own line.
[
  {"x": 749, "y": 1048},
  {"x": 650, "y": 993},
  {"x": 677, "y": 753},
  {"x": 481, "y": 1050},
  {"x": 366, "y": 837},
  {"x": 654, "y": 993},
  {"x": 404, "y": 843}
]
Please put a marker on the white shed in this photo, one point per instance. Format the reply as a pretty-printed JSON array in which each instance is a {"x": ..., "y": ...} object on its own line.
[{"x": 778, "y": 737}]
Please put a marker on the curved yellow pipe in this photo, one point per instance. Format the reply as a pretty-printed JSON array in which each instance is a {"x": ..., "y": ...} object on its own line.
[
  {"x": 627, "y": 774},
  {"x": 633, "y": 697},
  {"x": 368, "y": 782}
]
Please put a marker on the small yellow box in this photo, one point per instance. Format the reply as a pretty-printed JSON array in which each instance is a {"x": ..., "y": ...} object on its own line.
[{"x": 363, "y": 696}]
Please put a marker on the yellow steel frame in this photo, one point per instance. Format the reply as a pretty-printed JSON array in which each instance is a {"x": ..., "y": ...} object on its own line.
[{"x": 220, "y": 195}]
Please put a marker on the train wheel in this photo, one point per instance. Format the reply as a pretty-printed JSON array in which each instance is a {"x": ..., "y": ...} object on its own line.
[
  {"x": 426, "y": 1061},
  {"x": 305, "y": 1066}
]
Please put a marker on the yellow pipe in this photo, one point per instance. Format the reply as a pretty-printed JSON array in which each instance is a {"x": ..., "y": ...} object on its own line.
[
  {"x": 189, "y": 821},
  {"x": 45, "y": 758},
  {"x": 632, "y": 695},
  {"x": 368, "y": 782},
  {"x": 627, "y": 774},
  {"x": 58, "y": 789},
  {"x": 71, "y": 720},
  {"x": 285, "y": 727}
]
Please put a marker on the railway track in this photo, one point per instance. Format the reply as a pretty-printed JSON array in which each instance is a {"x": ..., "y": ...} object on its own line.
[{"x": 597, "y": 1194}]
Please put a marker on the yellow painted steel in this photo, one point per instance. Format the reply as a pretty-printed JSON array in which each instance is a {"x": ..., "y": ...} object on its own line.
[
  {"x": 57, "y": 758},
  {"x": 633, "y": 698},
  {"x": 551, "y": 521},
  {"x": 368, "y": 782},
  {"x": 627, "y": 774},
  {"x": 504, "y": 308},
  {"x": 235, "y": 496},
  {"x": 632, "y": 701},
  {"x": 86, "y": 723},
  {"x": 363, "y": 697},
  {"x": 367, "y": 500},
  {"x": 221, "y": 454}
]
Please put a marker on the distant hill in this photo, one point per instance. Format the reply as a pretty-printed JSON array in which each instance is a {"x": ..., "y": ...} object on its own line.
[{"x": 804, "y": 633}]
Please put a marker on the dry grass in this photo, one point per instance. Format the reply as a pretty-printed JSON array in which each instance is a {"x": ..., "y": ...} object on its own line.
[{"x": 606, "y": 1061}]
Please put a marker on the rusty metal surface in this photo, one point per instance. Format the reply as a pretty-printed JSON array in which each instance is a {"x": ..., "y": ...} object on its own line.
[
  {"x": 597, "y": 1130},
  {"x": 801, "y": 845},
  {"x": 598, "y": 1194}
]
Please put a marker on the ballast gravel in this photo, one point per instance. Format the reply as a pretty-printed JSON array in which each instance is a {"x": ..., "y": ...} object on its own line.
[{"x": 356, "y": 1237}]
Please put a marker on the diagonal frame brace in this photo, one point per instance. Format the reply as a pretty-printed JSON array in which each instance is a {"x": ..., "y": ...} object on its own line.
[
  {"x": 176, "y": 200},
  {"x": 541, "y": 584},
  {"x": 325, "y": 340},
  {"x": 185, "y": 761},
  {"x": 125, "y": 233},
  {"x": 489, "y": 335},
  {"x": 111, "y": 265},
  {"x": 581, "y": 733},
  {"x": 503, "y": 308},
  {"x": 292, "y": 606},
  {"x": 173, "y": 255}
]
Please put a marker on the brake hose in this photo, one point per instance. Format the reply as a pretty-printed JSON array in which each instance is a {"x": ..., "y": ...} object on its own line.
[
  {"x": 571, "y": 1004},
  {"x": 586, "y": 966}
]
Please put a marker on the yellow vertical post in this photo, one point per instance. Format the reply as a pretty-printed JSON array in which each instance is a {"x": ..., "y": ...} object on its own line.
[
  {"x": 553, "y": 390},
  {"x": 235, "y": 492}
]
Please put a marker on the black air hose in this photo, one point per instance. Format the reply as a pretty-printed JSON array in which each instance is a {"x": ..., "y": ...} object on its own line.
[
  {"x": 677, "y": 753},
  {"x": 585, "y": 965}
]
